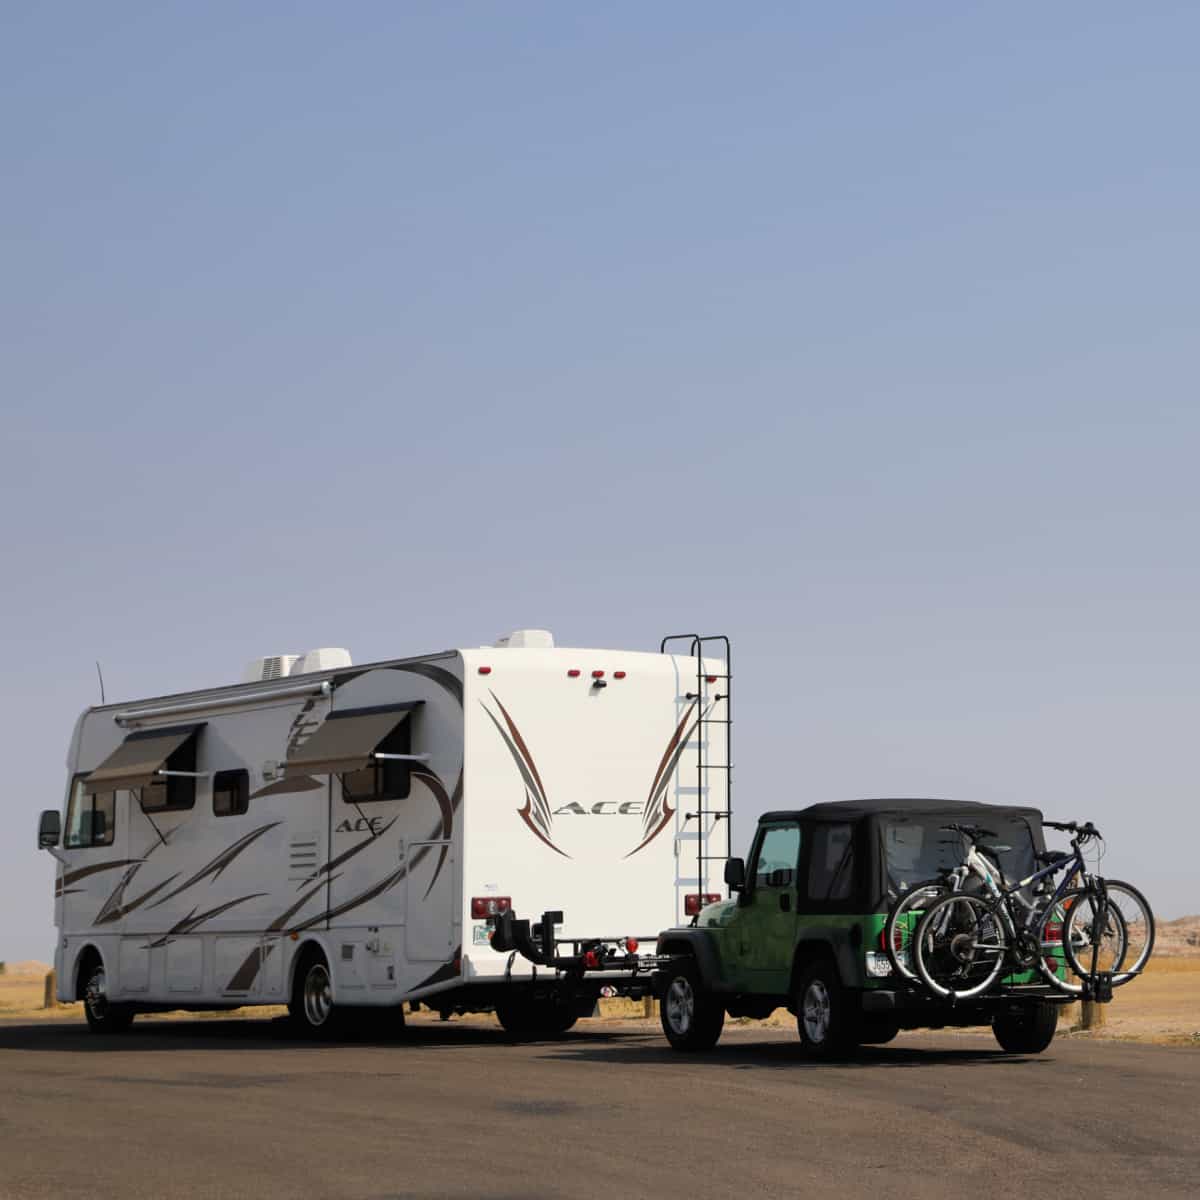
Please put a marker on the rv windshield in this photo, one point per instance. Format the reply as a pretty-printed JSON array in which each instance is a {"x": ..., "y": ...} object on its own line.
[{"x": 917, "y": 848}]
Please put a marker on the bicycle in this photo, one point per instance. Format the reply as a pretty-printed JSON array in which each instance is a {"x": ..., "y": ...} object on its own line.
[{"x": 964, "y": 941}]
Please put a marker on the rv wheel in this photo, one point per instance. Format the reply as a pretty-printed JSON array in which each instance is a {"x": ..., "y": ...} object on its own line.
[
  {"x": 102, "y": 1015},
  {"x": 311, "y": 1008}
]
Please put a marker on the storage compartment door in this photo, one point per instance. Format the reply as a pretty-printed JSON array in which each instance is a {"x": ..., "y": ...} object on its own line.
[{"x": 429, "y": 919}]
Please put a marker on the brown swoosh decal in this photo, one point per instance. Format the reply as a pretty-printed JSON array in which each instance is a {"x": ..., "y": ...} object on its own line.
[
  {"x": 83, "y": 872},
  {"x": 357, "y": 848},
  {"x": 658, "y": 806},
  {"x": 536, "y": 813},
  {"x": 247, "y": 973},
  {"x": 448, "y": 970},
  {"x": 218, "y": 864},
  {"x": 194, "y": 919},
  {"x": 114, "y": 910}
]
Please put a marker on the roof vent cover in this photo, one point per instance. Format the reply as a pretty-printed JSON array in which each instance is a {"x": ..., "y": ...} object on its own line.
[{"x": 528, "y": 639}]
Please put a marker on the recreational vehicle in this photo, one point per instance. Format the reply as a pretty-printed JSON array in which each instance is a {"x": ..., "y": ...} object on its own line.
[{"x": 341, "y": 838}]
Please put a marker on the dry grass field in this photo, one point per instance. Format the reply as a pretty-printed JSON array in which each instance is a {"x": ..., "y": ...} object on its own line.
[{"x": 1162, "y": 1007}]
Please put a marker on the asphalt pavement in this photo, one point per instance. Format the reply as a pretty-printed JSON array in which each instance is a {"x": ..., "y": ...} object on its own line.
[{"x": 226, "y": 1108}]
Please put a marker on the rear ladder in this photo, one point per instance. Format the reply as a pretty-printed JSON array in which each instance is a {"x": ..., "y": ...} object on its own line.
[{"x": 715, "y": 710}]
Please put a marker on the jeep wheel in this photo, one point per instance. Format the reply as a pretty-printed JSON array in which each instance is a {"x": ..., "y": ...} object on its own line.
[
  {"x": 692, "y": 1017},
  {"x": 1026, "y": 1031},
  {"x": 828, "y": 1026}
]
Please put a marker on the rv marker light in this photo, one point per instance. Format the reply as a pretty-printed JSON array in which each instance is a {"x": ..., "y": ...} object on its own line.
[
  {"x": 573, "y": 673},
  {"x": 618, "y": 674},
  {"x": 485, "y": 670}
]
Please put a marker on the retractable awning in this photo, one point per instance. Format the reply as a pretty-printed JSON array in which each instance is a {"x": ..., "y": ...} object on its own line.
[
  {"x": 135, "y": 762},
  {"x": 347, "y": 740}
]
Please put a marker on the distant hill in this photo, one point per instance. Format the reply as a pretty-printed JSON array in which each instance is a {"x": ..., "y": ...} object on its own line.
[
  {"x": 1181, "y": 936},
  {"x": 29, "y": 967}
]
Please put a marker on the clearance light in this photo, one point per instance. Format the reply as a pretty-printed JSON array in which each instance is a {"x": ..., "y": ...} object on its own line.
[
  {"x": 489, "y": 906},
  {"x": 710, "y": 679},
  {"x": 485, "y": 670},
  {"x": 573, "y": 673},
  {"x": 597, "y": 674},
  {"x": 693, "y": 902},
  {"x": 618, "y": 674}
]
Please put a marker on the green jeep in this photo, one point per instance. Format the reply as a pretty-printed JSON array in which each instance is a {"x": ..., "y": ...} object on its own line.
[{"x": 804, "y": 930}]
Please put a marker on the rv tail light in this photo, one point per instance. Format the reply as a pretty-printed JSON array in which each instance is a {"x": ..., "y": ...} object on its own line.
[
  {"x": 631, "y": 944},
  {"x": 489, "y": 906},
  {"x": 573, "y": 673},
  {"x": 591, "y": 960},
  {"x": 693, "y": 902},
  {"x": 618, "y": 674},
  {"x": 597, "y": 674},
  {"x": 485, "y": 670}
]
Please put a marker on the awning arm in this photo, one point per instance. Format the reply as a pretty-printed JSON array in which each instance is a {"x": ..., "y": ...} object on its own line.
[{"x": 402, "y": 757}]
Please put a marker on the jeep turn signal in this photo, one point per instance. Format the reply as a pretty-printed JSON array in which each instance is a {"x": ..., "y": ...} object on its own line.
[
  {"x": 489, "y": 906},
  {"x": 693, "y": 902}
]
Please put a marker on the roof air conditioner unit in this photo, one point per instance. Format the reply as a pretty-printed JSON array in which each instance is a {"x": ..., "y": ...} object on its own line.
[
  {"x": 327, "y": 658},
  {"x": 274, "y": 666}
]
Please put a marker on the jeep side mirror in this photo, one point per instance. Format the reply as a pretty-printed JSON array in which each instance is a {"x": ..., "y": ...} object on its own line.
[
  {"x": 735, "y": 873},
  {"x": 49, "y": 829}
]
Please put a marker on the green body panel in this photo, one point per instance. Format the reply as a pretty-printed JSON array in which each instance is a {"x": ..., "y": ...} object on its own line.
[{"x": 756, "y": 944}]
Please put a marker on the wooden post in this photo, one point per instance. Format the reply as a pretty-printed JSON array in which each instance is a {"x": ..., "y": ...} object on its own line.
[
  {"x": 649, "y": 1007},
  {"x": 48, "y": 997},
  {"x": 1092, "y": 1015}
]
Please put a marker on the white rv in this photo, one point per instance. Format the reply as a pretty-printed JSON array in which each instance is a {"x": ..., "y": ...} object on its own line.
[{"x": 337, "y": 838}]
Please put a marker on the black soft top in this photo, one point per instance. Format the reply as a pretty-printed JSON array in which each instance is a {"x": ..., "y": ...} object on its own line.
[{"x": 853, "y": 810}]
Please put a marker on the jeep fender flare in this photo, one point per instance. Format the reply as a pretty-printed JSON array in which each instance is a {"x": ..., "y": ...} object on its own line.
[{"x": 695, "y": 944}]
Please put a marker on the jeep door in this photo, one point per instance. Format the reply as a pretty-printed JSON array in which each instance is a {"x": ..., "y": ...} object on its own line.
[{"x": 764, "y": 924}]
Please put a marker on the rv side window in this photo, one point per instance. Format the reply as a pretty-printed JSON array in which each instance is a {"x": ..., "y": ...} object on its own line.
[
  {"x": 90, "y": 818},
  {"x": 173, "y": 792},
  {"x": 384, "y": 779},
  {"x": 231, "y": 793}
]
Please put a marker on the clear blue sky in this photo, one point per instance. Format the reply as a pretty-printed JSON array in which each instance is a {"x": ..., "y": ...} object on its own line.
[{"x": 865, "y": 334}]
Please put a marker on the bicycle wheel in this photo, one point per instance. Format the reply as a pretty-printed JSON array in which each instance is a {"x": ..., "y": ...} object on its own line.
[
  {"x": 960, "y": 946},
  {"x": 902, "y": 920},
  {"x": 1087, "y": 937},
  {"x": 1129, "y": 906}
]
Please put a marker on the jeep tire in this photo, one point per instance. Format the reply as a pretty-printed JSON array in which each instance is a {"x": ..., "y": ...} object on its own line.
[
  {"x": 692, "y": 1017},
  {"x": 826, "y": 1018},
  {"x": 1027, "y": 1030}
]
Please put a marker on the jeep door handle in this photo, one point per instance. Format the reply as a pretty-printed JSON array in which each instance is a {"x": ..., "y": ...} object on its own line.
[{"x": 785, "y": 901}]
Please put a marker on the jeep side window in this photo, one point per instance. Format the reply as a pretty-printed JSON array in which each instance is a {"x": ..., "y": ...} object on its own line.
[
  {"x": 778, "y": 854},
  {"x": 831, "y": 872}
]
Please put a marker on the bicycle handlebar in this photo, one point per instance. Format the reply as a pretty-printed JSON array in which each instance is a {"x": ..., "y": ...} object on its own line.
[
  {"x": 1086, "y": 830},
  {"x": 974, "y": 832}
]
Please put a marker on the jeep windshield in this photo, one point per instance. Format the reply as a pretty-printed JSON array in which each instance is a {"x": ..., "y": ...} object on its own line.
[{"x": 917, "y": 848}]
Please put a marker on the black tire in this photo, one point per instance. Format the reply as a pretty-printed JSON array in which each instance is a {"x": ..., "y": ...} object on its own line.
[
  {"x": 311, "y": 1010},
  {"x": 692, "y": 1017},
  {"x": 827, "y": 1016},
  {"x": 1027, "y": 1030},
  {"x": 102, "y": 1015},
  {"x": 960, "y": 948},
  {"x": 920, "y": 893},
  {"x": 1132, "y": 911},
  {"x": 877, "y": 1031},
  {"x": 535, "y": 1017}
]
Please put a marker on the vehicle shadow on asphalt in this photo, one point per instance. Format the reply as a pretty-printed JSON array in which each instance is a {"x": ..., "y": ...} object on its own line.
[{"x": 581, "y": 1045}]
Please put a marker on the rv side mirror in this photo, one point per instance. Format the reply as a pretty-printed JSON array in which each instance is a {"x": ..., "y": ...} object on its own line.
[
  {"x": 735, "y": 874},
  {"x": 49, "y": 829}
]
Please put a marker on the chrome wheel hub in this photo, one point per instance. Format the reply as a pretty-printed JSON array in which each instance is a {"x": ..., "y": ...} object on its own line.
[
  {"x": 681, "y": 1004},
  {"x": 815, "y": 1012},
  {"x": 318, "y": 995}
]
